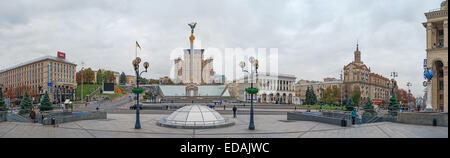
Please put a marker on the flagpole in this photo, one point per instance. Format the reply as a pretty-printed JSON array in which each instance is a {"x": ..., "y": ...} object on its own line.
[{"x": 136, "y": 49}]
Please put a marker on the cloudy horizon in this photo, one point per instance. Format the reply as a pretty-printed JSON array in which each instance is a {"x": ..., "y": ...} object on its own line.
[{"x": 315, "y": 38}]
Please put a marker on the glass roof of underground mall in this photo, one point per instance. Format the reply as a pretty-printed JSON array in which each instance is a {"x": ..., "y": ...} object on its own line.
[{"x": 195, "y": 116}]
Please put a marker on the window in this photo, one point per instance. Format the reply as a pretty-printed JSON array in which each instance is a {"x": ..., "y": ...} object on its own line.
[
  {"x": 441, "y": 85},
  {"x": 441, "y": 43},
  {"x": 441, "y": 32}
]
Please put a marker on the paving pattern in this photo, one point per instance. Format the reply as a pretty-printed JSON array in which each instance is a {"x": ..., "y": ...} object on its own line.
[{"x": 267, "y": 126}]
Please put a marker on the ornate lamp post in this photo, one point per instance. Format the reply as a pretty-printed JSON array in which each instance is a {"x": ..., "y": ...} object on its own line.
[
  {"x": 138, "y": 90},
  {"x": 82, "y": 82},
  {"x": 409, "y": 84},
  {"x": 251, "y": 90},
  {"x": 393, "y": 75}
]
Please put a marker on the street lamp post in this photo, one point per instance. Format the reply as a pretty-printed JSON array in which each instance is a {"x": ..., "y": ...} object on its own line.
[
  {"x": 253, "y": 62},
  {"x": 393, "y": 75},
  {"x": 136, "y": 68},
  {"x": 82, "y": 81}
]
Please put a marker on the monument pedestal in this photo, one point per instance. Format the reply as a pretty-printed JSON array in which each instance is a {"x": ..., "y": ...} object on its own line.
[{"x": 428, "y": 107}]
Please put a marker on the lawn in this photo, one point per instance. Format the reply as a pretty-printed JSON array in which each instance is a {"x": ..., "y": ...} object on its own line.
[
  {"x": 113, "y": 96},
  {"x": 87, "y": 89}
]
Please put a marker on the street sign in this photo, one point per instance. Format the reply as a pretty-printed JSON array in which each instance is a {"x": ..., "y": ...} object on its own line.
[
  {"x": 251, "y": 99},
  {"x": 49, "y": 84},
  {"x": 425, "y": 63}
]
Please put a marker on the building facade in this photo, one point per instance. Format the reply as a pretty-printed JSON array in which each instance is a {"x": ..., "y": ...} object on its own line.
[
  {"x": 54, "y": 75},
  {"x": 273, "y": 88},
  {"x": 131, "y": 80},
  {"x": 437, "y": 55},
  {"x": 116, "y": 76},
  {"x": 358, "y": 77},
  {"x": 219, "y": 79},
  {"x": 319, "y": 87},
  {"x": 203, "y": 72}
]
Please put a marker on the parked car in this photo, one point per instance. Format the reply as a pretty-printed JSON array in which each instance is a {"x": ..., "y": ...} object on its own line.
[{"x": 134, "y": 107}]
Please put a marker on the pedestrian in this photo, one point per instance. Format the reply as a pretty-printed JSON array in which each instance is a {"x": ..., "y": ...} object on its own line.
[
  {"x": 234, "y": 111},
  {"x": 42, "y": 117},
  {"x": 353, "y": 115},
  {"x": 32, "y": 115},
  {"x": 360, "y": 118}
]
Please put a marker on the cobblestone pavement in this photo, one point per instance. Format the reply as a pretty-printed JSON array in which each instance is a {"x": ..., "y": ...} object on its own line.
[{"x": 267, "y": 126}]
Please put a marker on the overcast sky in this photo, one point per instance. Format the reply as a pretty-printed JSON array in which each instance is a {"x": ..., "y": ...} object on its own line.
[{"x": 315, "y": 38}]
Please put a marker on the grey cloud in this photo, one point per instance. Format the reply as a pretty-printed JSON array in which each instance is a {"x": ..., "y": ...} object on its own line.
[{"x": 315, "y": 38}]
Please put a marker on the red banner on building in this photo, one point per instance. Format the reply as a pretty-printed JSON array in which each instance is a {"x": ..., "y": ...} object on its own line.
[{"x": 62, "y": 55}]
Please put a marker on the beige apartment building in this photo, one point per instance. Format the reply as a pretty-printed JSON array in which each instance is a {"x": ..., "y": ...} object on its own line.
[
  {"x": 46, "y": 74},
  {"x": 116, "y": 76},
  {"x": 131, "y": 80},
  {"x": 357, "y": 76},
  {"x": 319, "y": 87},
  {"x": 437, "y": 55}
]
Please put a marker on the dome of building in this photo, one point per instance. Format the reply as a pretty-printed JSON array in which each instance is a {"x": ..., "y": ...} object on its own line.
[{"x": 194, "y": 117}]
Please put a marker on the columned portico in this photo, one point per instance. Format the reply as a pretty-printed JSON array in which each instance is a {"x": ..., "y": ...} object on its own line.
[{"x": 437, "y": 55}]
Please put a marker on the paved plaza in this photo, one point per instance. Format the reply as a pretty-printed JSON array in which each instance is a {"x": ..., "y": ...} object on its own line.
[{"x": 267, "y": 126}]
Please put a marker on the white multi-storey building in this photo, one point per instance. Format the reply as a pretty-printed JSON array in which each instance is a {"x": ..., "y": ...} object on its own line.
[{"x": 273, "y": 88}]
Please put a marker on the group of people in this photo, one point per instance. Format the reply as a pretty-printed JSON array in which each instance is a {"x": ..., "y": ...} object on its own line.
[
  {"x": 356, "y": 115},
  {"x": 33, "y": 115}
]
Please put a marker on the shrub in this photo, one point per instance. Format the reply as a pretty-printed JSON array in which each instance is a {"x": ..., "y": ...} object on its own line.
[
  {"x": 26, "y": 104},
  {"x": 45, "y": 103}
]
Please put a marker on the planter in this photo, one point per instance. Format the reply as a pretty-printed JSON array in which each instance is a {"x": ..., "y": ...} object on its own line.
[
  {"x": 252, "y": 90},
  {"x": 138, "y": 90}
]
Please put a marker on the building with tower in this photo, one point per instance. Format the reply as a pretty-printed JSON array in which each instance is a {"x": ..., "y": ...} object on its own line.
[
  {"x": 194, "y": 68},
  {"x": 197, "y": 75},
  {"x": 202, "y": 69},
  {"x": 358, "y": 77},
  {"x": 437, "y": 55}
]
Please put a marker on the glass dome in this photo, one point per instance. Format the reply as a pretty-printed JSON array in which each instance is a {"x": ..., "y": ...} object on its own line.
[{"x": 195, "y": 116}]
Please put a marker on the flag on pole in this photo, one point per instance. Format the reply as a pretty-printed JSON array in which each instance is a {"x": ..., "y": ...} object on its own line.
[{"x": 137, "y": 45}]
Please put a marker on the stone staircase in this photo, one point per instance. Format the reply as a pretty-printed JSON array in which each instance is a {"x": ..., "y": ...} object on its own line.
[
  {"x": 10, "y": 117},
  {"x": 94, "y": 93},
  {"x": 380, "y": 114}
]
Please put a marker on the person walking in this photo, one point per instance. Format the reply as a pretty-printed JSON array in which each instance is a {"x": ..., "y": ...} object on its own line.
[
  {"x": 353, "y": 115},
  {"x": 42, "y": 117},
  {"x": 360, "y": 118},
  {"x": 234, "y": 111},
  {"x": 32, "y": 115}
]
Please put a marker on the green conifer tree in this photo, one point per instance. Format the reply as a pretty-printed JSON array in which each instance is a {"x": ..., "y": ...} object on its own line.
[
  {"x": 313, "y": 97},
  {"x": 350, "y": 104},
  {"x": 308, "y": 97},
  {"x": 26, "y": 104},
  {"x": 368, "y": 107},
  {"x": 393, "y": 104},
  {"x": 3, "y": 106},
  {"x": 46, "y": 105}
]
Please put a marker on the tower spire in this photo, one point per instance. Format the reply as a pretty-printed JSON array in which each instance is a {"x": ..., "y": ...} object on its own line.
[
  {"x": 357, "y": 45},
  {"x": 357, "y": 53}
]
